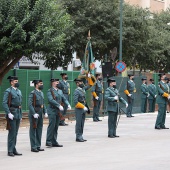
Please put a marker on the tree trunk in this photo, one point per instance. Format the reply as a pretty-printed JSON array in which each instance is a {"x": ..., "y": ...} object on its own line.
[{"x": 8, "y": 67}]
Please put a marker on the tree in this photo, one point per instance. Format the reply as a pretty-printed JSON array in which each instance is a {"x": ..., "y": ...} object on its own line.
[
  {"x": 98, "y": 16},
  {"x": 141, "y": 45},
  {"x": 32, "y": 26}
]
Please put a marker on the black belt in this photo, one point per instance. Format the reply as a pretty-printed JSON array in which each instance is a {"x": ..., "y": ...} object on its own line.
[
  {"x": 18, "y": 107},
  {"x": 83, "y": 102},
  {"x": 39, "y": 106},
  {"x": 65, "y": 93},
  {"x": 98, "y": 91}
]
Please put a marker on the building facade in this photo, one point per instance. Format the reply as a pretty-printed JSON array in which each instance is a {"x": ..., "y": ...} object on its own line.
[{"x": 153, "y": 5}]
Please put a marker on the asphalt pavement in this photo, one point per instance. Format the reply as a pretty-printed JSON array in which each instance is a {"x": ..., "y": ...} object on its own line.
[{"x": 140, "y": 147}]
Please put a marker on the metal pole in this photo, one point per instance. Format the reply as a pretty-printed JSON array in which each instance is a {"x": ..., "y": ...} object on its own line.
[{"x": 121, "y": 18}]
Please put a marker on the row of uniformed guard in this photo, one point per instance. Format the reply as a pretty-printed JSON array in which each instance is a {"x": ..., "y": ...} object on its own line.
[{"x": 12, "y": 102}]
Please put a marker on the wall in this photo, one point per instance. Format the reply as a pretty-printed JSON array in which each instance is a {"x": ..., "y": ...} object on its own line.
[{"x": 26, "y": 77}]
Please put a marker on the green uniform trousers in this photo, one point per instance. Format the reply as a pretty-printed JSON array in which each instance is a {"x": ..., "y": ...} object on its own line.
[
  {"x": 143, "y": 105},
  {"x": 65, "y": 107},
  {"x": 130, "y": 107},
  {"x": 152, "y": 105},
  {"x": 12, "y": 134},
  {"x": 112, "y": 120},
  {"x": 96, "y": 109},
  {"x": 35, "y": 134},
  {"x": 80, "y": 119},
  {"x": 52, "y": 130},
  {"x": 160, "y": 121}
]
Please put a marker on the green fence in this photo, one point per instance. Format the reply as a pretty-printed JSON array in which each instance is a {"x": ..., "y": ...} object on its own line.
[{"x": 26, "y": 76}]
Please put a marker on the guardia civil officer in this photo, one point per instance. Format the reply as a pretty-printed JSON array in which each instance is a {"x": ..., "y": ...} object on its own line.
[
  {"x": 80, "y": 107},
  {"x": 37, "y": 109},
  {"x": 12, "y": 101},
  {"x": 168, "y": 102},
  {"x": 144, "y": 95},
  {"x": 55, "y": 98},
  {"x": 162, "y": 98},
  {"x": 65, "y": 87},
  {"x": 152, "y": 96},
  {"x": 112, "y": 98},
  {"x": 97, "y": 91},
  {"x": 130, "y": 91}
]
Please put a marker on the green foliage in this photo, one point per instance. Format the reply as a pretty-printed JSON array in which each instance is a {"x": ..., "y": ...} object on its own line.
[
  {"x": 32, "y": 26},
  {"x": 100, "y": 17},
  {"x": 145, "y": 39}
]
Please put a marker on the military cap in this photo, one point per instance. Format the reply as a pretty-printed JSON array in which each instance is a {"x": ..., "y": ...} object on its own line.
[
  {"x": 63, "y": 74},
  {"x": 97, "y": 74},
  {"x": 78, "y": 80},
  {"x": 111, "y": 80},
  {"x": 53, "y": 80},
  {"x": 130, "y": 75},
  {"x": 144, "y": 78},
  {"x": 37, "y": 81},
  {"x": 11, "y": 78},
  {"x": 151, "y": 80},
  {"x": 161, "y": 74}
]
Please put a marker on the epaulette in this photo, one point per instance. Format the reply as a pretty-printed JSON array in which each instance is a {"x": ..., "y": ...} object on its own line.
[
  {"x": 32, "y": 91},
  {"x": 8, "y": 89}
]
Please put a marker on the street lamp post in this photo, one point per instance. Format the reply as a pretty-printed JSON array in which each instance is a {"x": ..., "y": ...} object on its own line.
[
  {"x": 121, "y": 20},
  {"x": 121, "y": 28}
]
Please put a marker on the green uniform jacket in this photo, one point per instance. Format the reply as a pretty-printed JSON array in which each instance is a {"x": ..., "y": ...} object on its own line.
[
  {"x": 16, "y": 100},
  {"x": 152, "y": 91},
  {"x": 64, "y": 86},
  {"x": 80, "y": 96},
  {"x": 145, "y": 91},
  {"x": 130, "y": 86},
  {"x": 162, "y": 88},
  {"x": 98, "y": 88},
  {"x": 111, "y": 103},
  {"x": 53, "y": 107},
  {"x": 39, "y": 102}
]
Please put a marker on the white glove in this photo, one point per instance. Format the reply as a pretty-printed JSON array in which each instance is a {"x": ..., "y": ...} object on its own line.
[
  {"x": 129, "y": 95},
  {"x": 46, "y": 115},
  {"x": 85, "y": 108},
  {"x": 69, "y": 107},
  {"x": 116, "y": 97},
  {"x": 97, "y": 98},
  {"x": 89, "y": 75},
  {"x": 148, "y": 95},
  {"x": 155, "y": 96},
  {"x": 61, "y": 108},
  {"x": 11, "y": 116},
  {"x": 36, "y": 116},
  {"x": 126, "y": 105},
  {"x": 169, "y": 97}
]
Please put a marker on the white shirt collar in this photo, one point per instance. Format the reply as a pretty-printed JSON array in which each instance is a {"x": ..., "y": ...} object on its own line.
[
  {"x": 55, "y": 88},
  {"x": 14, "y": 87}
]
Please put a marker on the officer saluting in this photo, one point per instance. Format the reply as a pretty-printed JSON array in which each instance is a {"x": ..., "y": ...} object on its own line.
[
  {"x": 144, "y": 95},
  {"x": 162, "y": 102},
  {"x": 80, "y": 107},
  {"x": 112, "y": 98},
  {"x": 129, "y": 91},
  {"x": 36, "y": 110},
  {"x": 97, "y": 91},
  {"x": 12, "y": 100},
  {"x": 55, "y": 97},
  {"x": 152, "y": 96},
  {"x": 65, "y": 87}
]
